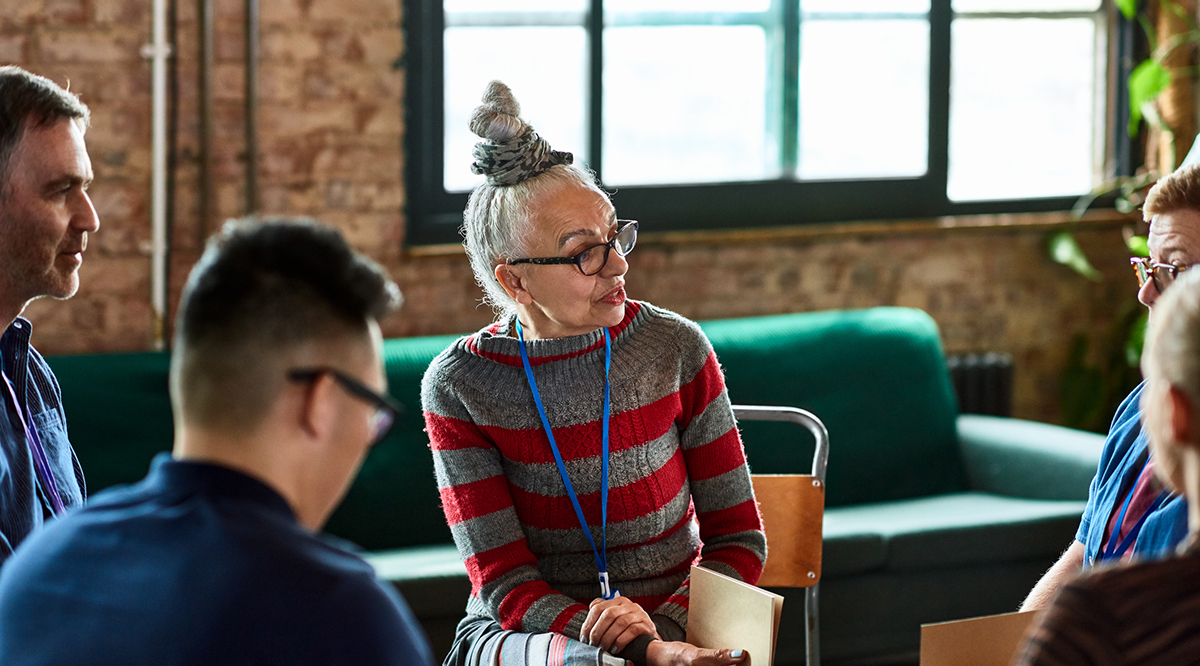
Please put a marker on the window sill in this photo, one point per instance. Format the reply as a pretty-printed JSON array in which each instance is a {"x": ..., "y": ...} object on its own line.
[{"x": 1018, "y": 222}]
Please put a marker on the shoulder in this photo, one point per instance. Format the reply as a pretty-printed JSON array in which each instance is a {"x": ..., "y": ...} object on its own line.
[
  {"x": 1130, "y": 408},
  {"x": 666, "y": 327},
  {"x": 42, "y": 376},
  {"x": 368, "y": 621},
  {"x": 1125, "y": 433}
]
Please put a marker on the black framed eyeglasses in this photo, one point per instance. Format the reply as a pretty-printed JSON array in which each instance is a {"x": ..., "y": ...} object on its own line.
[
  {"x": 1164, "y": 275},
  {"x": 591, "y": 259},
  {"x": 386, "y": 407}
]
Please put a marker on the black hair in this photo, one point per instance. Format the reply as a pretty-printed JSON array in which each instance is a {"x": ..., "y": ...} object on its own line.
[{"x": 263, "y": 287}]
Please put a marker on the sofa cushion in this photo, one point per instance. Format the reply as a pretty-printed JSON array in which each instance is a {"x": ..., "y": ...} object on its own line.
[
  {"x": 952, "y": 530},
  {"x": 878, "y": 380},
  {"x": 118, "y": 413}
]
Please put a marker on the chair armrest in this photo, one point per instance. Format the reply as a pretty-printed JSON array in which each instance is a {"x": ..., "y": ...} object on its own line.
[{"x": 1028, "y": 459}]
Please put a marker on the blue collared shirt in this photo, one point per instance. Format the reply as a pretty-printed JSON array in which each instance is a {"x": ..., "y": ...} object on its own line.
[
  {"x": 1124, "y": 453},
  {"x": 197, "y": 564},
  {"x": 23, "y": 504}
]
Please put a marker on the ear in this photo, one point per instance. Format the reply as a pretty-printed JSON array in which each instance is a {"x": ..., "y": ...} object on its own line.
[
  {"x": 1181, "y": 417},
  {"x": 318, "y": 414},
  {"x": 513, "y": 284}
]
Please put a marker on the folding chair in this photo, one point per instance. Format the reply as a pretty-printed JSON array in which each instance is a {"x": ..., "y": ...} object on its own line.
[{"x": 793, "y": 509}]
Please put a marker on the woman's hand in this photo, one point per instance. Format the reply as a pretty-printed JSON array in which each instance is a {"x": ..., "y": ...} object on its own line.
[
  {"x": 662, "y": 653},
  {"x": 612, "y": 623}
]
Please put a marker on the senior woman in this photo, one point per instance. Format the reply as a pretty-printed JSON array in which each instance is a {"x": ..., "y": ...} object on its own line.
[{"x": 584, "y": 445}]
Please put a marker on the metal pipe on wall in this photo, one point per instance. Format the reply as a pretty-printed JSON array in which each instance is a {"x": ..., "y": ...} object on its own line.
[
  {"x": 158, "y": 51},
  {"x": 206, "y": 119},
  {"x": 251, "y": 106}
]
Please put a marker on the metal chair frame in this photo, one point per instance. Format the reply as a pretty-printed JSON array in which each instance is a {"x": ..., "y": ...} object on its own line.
[{"x": 809, "y": 421}]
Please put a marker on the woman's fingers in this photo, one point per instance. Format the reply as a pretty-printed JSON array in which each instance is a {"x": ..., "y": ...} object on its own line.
[
  {"x": 660, "y": 653},
  {"x": 612, "y": 623}
]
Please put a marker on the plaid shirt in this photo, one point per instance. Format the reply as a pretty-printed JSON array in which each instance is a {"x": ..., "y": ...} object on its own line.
[{"x": 23, "y": 506}]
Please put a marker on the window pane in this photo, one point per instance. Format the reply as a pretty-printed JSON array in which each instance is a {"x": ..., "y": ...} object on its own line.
[
  {"x": 1022, "y": 125},
  {"x": 864, "y": 98},
  {"x": 687, "y": 5},
  {"x": 1026, "y": 5},
  {"x": 552, "y": 91},
  {"x": 865, "y": 6},
  {"x": 489, "y": 6},
  {"x": 685, "y": 104}
]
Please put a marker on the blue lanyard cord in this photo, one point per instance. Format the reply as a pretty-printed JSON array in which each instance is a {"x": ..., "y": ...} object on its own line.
[
  {"x": 600, "y": 554},
  {"x": 1115, "y": 549}
]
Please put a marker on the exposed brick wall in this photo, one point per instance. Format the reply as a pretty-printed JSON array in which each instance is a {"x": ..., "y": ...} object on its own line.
[{"x": 331, "y": 146}]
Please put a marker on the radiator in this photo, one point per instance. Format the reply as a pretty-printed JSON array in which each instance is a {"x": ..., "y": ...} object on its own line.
[{"x": 983, "y": 383}]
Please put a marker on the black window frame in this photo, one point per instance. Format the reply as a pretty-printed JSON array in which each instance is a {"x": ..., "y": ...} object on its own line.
[{"x": 434, "y": 215}]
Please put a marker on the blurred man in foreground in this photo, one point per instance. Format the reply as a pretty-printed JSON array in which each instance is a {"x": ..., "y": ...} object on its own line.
[
  {"x": 1145, "y": 612},
  {"x": 277, "y": 386}
]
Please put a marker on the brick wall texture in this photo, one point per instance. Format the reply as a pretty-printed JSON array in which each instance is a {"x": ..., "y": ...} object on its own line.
[{"x": 331, "y": 133}]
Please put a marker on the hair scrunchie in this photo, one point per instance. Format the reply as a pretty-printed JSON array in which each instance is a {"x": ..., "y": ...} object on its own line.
[{"x": 511, "y": 151}]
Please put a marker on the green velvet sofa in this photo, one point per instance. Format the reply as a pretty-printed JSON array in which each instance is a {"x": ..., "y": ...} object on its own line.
[{"x": 931, "y": 515}]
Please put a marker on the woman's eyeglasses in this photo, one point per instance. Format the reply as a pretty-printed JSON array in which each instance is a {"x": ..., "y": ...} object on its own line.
[
  {"x": 1163, "y": 274},
  {"x": 386, "y": 407},
  {"x": 594, "y": 258}
]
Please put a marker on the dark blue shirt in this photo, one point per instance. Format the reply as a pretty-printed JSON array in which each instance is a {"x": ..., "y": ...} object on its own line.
[
  {"x": 1125, "y": 451},
  {"x": 23, "y": 504},
  {"x": 196, "y": 564}
]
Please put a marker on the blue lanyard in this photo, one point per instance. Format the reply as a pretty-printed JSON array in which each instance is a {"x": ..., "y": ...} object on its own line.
[
  {"x": 1115, "y": 549},
  {"x": 600, "y": 554}
]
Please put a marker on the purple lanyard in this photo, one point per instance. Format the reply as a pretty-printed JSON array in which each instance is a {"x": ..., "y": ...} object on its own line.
[{"x": 39, "y": 453}]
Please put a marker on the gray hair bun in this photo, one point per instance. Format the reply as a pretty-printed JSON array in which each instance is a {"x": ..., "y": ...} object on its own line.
[{"x": 510, "y": 151}]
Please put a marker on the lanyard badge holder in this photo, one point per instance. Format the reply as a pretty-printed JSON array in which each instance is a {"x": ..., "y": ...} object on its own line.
[{"x": 600, "y": 554}]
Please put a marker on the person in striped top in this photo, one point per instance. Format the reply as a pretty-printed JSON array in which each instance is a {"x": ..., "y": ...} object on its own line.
[
  {"x": 1146, "y": 612},
  {"x": 578, "y": 406}
]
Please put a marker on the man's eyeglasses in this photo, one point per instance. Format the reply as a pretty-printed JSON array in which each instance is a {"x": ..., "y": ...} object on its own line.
[
  {"x": 1163, "y": 274},
  {"x": 386, "y": 407},
  {"x": 593, "y": 258}
]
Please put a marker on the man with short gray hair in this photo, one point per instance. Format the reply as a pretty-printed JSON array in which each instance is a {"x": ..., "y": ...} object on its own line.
[{"x": 45, "y": 218}]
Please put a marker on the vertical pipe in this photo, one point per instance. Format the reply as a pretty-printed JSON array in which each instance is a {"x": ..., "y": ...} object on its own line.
[
  {"x": 206, "y": 118},
  {"x": 251, "y": 106},
  {"x": 172, "y": 159},
  {"x": 159, "y": 51}
]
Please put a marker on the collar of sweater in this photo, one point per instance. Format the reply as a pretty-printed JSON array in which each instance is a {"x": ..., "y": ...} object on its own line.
[{"x": 499, "y": 343}]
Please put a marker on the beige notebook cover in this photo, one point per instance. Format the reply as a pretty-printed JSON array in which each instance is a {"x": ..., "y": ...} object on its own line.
[
  {"x": 725, "y": 613},
  {"x": 982, "y": 641}
]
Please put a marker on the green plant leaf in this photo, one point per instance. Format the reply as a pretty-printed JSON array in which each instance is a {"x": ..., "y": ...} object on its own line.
[
  {"x": 1137, "y": 338},
  {"x": 1145, "y": 83},
  {"x": 1138, "y": 246},
  {"x": 1066, "y": 251},
  {"x": 1127, "y": 7}
]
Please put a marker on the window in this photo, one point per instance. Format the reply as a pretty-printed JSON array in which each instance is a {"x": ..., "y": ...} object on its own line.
[{"x": 705, "y": 114}]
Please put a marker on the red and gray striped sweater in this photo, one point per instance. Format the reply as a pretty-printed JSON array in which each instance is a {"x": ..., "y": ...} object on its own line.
[{"x": 679, "y": 487}]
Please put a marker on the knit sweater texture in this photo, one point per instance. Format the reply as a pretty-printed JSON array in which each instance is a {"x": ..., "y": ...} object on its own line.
[{"x": 679, "y": 487}]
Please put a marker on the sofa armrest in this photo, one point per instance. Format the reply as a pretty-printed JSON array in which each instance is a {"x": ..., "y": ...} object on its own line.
[{"x": 1028, "y": 459}]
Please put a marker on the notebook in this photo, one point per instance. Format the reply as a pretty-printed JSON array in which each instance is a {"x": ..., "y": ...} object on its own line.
[{"x": 725, "y": 613}]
